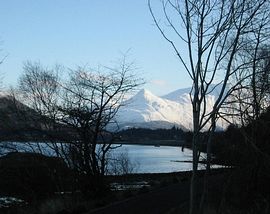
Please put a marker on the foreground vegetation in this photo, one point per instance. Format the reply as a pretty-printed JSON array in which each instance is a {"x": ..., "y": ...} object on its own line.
[{"x": 76, "y": 202}]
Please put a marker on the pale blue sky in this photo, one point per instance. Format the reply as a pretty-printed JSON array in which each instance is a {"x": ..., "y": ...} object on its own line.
[{"x": 92, "y": 32}]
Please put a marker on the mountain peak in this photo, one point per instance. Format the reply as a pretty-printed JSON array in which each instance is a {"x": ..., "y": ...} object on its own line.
[{"x": 144, "y": 94}]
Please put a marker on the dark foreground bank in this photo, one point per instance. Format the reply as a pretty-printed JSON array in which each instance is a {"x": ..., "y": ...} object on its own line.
[{"x": 164, "y": 190}]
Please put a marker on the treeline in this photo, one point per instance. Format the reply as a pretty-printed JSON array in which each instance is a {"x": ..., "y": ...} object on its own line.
[
  {"x": 238, "y": 145},
  {"x": 244, "y": 145},
  {"x": 143, "y": 134},
  {"x": 247, "y": 149}
]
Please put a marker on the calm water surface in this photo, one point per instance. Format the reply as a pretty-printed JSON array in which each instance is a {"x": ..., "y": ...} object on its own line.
[
  {"x": 148, "y": 159},
  {"x": 151, "y": 159}
]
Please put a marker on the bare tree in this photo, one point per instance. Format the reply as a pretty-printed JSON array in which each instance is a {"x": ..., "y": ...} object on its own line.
[
  {"x": 121, "y": 164},
  {"x": 212, "y": 34},
  {"x": 84, "y": 108},
  {"x": 252, "y": 99},
  {"x": 2, "y": 59}
]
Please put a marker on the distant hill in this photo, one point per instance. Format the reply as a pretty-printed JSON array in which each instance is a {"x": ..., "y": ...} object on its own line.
[
  {"x": 21, "y": 123},
  {"x": 16, "y": 119}
]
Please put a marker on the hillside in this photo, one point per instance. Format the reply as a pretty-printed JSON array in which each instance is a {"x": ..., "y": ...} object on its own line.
[
  {"x": 16, "y": 119},
  {"x": 21, "y": 123}
]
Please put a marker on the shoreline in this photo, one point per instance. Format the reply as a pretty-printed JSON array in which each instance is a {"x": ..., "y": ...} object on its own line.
[{"x": 174, "y": 143}]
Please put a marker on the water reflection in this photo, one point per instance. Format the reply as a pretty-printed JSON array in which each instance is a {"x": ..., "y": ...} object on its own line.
[
  {"x": 153, "y": 159},
  {"x": 148, "y": 159}
]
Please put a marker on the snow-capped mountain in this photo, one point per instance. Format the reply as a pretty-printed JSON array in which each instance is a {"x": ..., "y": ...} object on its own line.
[
  {"x": 146, "y": 107},
  {"x": 148, "y": 110}
]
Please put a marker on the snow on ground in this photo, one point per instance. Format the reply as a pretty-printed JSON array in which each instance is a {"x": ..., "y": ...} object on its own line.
[{"x": 7, "y": 201}]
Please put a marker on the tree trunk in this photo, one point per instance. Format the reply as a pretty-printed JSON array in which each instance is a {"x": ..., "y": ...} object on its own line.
[
  {"x": 195, "y": 140},
  {"x": 204, "y": 197}
]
